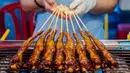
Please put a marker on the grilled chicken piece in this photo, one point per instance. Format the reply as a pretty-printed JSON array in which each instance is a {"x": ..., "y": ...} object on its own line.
[
  {"x": 16, "y": 61},
  {"x": 90, "y": 47},
  {"x": 59, "y": 53},
  {"x": 70, "y": 62},
  {"x": 83, "y": 60},
  {"x": 108, "y": 57},
  {"x": 39, "y": 47},
  {"x": 49, "y": 52}
]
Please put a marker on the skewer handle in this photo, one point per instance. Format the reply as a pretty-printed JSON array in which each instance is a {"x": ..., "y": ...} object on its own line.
[
  {"x": 81, "y": 21},
  {"x": 67, "y": 28},
  {"x": 47, "y": 20},
  {"x": 72, "y": 24},
  {"x": 53, "y": 19},
  {"x": 61, "y": 28},
  {"x": 57, "y": 20},
  {"x": 77, "y": 21}
]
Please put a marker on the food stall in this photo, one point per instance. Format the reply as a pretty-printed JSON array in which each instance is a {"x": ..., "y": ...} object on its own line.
[{"x": 41, "y": 53}]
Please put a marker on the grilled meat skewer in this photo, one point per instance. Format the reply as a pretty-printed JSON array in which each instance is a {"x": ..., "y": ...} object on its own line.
[
  {"x": 59, "y": 52},
  {"x": 16, "y": 61},
  {"x": 39, "y": 47},
  {"x": 49, "y": 52},
  {"x": 50, "y": 46},
  {"x": 70, "y": 62},
  {"x": 83, "y": 60},
  {"x": 90, "y": 47},
  {"x": 108, "y": 57},
  {"x": 59, "y": 64}
]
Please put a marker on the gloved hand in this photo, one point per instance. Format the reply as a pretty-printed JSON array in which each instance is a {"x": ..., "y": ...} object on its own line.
[{"x": 82, "y": 6}]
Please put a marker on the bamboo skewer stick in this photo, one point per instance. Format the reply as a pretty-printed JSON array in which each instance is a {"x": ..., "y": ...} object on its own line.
[
  {"x": 109, "y": 60},
  {"x": 61, "y": 28},
  {"x": 52, "y": 19},
  {"x": 81, "y": 21},
  {"x": 57, "y": 20},
  {"x": 67, "y": 28},
  {"x": 77, "y": 21},
  {"x": 72, "y": 24},
  {"x": 47, "y": 20}
]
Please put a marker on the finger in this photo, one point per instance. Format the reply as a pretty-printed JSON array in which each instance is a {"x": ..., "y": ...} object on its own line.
[
  {"x": 63, "y": 15},
  {"x": 50, "y": 10},
  {"x": 75, "y": 3},
  {"x": 51, "y": 1},
  {"x": 50, "y": 7}
]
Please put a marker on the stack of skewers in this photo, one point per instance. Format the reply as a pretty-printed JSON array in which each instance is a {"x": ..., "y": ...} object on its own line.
[{"x": 60, "y": 56}]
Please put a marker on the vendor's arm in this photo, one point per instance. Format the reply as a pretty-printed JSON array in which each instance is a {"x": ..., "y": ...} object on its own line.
[
  {"x": 93, "y": 6},
  {"x": 104, "y": 6},
  {"x": 30, "y": 5},
  {"x": 49, "y": 5}
]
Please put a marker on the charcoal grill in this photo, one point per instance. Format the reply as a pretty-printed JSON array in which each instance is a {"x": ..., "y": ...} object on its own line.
[{"x": 120, "y": 52}]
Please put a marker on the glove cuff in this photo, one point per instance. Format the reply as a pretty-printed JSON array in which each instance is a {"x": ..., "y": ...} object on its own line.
[{"x": 91, "y": 5}]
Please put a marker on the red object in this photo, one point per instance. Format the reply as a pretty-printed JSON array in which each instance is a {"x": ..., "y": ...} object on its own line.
[
  {"x": 31, "y": 24},
  {"x": 11, "y": 10},
  {"x": 122, "y": 31},
  {"x": 2, "y": 27}
]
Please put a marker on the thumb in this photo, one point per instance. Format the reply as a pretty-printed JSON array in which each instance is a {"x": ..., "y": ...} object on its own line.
[
  {"x": 75, "y": 3},
  {"x": 51, "y": 1}
]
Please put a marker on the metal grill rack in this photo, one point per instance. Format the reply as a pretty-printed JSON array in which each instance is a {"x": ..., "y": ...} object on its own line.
[
  {"x": 122, "y": 56},
  {"x": 6, "y": 53}
]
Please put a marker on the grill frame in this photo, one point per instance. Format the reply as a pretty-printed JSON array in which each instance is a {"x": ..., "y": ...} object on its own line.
[{"x": 7, "y": 52}]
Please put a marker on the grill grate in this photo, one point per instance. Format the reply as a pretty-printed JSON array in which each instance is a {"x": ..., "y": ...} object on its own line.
[{"x": 122, "y": 56}]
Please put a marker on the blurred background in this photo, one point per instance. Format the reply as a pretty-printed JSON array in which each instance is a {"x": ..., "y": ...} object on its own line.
[{"x": 116, "y": 24}]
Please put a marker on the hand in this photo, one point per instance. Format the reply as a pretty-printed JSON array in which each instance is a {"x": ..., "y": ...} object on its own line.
[
  {"x": 82, "y": 6},
  {"x": 50, "y": 5}
]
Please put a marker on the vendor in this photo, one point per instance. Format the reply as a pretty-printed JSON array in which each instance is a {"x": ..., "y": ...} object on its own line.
[{"x": 90, "y": 11}]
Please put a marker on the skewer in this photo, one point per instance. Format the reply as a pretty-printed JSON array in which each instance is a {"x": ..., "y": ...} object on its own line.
[
  {"x": 77, "y": 21},
  {"x": 47, "y": 20},
  {"x": 57, "y": 20},
  {"x": 72, "y": 24},
  {"x": 81, "y": 21},
  {"x": 67, "y": 28},
  {"x": 110, "y": 61},
  {"x": 59, "y": 58},
  {"x": 83, "y": 60},
  {"x": 52, "y": 19},
  {"x": 90, "y": 47},
  {"x": 61, "y": 28},
  {"x": 70, "y": 62}
]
